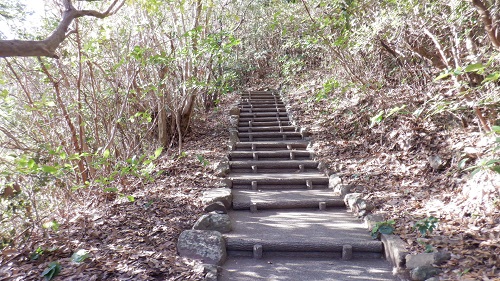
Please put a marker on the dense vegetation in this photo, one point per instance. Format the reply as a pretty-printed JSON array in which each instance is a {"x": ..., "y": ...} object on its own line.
[{"x": 127, "y": 90}]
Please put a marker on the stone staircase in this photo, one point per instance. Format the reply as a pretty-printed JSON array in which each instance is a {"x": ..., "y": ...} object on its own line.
[{"x": 286, "y": 223}]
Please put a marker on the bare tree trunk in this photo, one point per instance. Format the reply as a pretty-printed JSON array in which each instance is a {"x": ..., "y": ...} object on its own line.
[
  {"x": 73, "y": 134},
  {"x": 491, "y": 27}
]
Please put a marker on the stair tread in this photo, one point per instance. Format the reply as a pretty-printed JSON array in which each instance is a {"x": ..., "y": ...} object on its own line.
[
  {"x": 302, "y": 226},
  {"x": 277, "y": 176},
  {"x": 269, "y": 133},
  {"x": 243, "y": 163},
  {"x": 271, "y": 152},
  {"x": 296, "y": 268},
  {"x": 280, "y": 142},
  {"x": 285, "y": 199}
]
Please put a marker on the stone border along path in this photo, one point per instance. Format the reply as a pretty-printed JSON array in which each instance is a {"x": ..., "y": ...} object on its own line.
[{"x": 285, "y": 222}]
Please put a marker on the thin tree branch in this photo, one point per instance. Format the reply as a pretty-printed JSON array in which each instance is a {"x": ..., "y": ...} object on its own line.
[{"x": 48, "y": 47}]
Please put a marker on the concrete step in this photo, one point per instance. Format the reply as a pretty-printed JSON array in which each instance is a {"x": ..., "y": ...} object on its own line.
[
  {"x": 272, "y": 145},
  {"x": 311, "y": 269},
  {"x": 286, "y": 199},
  {"x": 271, "y": 155},
  {"x": 267, "y": 129},
  {"x": 278, "y": 181},
  {"x": 290, "y": 166},
  {"x": 300, "y": 232}
]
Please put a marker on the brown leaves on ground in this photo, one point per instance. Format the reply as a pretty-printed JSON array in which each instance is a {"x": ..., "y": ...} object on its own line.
[
  {"x": 393, "y": 160},
  {"x": 132, "y": 240}
]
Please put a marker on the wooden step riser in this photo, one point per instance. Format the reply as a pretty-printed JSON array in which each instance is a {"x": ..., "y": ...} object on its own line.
[
  {"x": 254, "y": 110},
  {"x": 265, "y": 124},
  {"x": 267, "y": 158},
  {"x": 263, "y": 114},
  {"x": 244, "y": 107},
  {"x": 273, "y": 164},
  {"x": 306, "y": 203},
  {"x": 270, "y": 134},
  {"x": 263, "y": 149},
  {"x": 265, "y": 119},
  {"x": 236, "y": 244},
  {"x": 282, "y": 181},
  {"x": 272, "y": 170},
  {"x": 261, "y": 102},
  {"x": 267, "y": 129},
  {"x": 279, "y": 186},
  {"x": 269, "y": 138},
  {"x": 318, "y": 255},
  {"x": 276, "y": 146},
  {"x": 259, "y": 96},
  {"x": 271, "y": 155}
]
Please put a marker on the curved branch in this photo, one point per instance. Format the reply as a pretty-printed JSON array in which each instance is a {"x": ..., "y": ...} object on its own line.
[{"x": 48, "y": 47}]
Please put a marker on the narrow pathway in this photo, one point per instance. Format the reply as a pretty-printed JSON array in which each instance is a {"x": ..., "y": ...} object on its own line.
[{"x": 287, "y": 224}]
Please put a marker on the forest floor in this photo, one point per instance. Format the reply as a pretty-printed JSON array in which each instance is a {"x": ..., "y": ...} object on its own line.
[
  {"x": 132, "y": 240},
  {"x": 391, "y": 161},
  {"x": 137, "y": 240}
]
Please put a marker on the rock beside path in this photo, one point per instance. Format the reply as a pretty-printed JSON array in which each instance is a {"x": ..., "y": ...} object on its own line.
[
  {"x": 425, "y": 259},
  {"x": 218, "y": 195},
  {"x": 207, "y": 246},
  {"x": 425, "y": 272},
  {"x": 214, "y": 221}
]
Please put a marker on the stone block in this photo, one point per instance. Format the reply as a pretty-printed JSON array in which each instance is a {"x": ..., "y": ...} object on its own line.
[
  {"x": 441, "y": 257},
  {"x": 222, "y": 169},
  {"x": 362, "y": 207},
  {"x": 418, "y": 260},
  {"x": 422, "y": 273},
  {"x": 344, "y": 189},
  {"x": 394, "y": 250},
  {"x": 334, "y": 181},
  {"x": 351, "y": 198},
  {"x": 223, "y": 195},
  {"x": 211, "y": 272},
  {"x": 426, "y": 259},
  {"x": 305, "y": 132},
  {"x": 234, "y": 121},
  {"x": 217, "y": 207},
  {"x": 214, "y": 221},
  {"x": 234, "y": 111},
  {"x": 204, "y": 245},
  {"x": 371, "y": 220}
]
